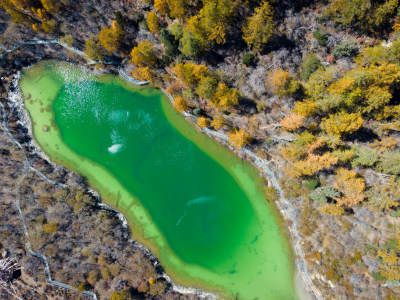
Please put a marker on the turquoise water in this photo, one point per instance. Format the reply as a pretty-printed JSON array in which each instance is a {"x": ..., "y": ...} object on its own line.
[{"x": 196, "y": 205}]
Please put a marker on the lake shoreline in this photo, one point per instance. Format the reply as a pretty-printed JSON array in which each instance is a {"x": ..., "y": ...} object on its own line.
[{"x": 280, "y": 205}]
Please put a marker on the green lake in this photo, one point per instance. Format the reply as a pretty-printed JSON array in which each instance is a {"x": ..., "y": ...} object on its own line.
[{"x": 195, "y": 204}]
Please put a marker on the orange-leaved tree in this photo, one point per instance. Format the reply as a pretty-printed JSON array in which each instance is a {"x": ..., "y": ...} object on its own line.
[
  {"x": 292, "y": 122},
  {"x": 311, "y": 165},
  {"x": 351, "y": 186}
]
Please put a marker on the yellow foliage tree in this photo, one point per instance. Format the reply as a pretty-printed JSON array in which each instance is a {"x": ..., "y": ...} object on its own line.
[
  {"x": 93, "y": 50},
  {"x": 279, "y": 80},
  {"x": 153, "y": 22},
  {"x": 342, "y": 123},
  {"x": 161, "y": 6},
  {"x": 143, "y": 73},
  {"x": 218, "y": 122},
  {"x": 190, "y": 73},
  {"x": 292, "y": 122},
  {"x": 52, "y": 6},
  {"x": 391, "y": 272},
  {"x": 178, "y": 8},
  {"x": 332, "y": 209},
  {"x": 305, "y": 108},
  {"x": 143, "y": 54},
  {"x": 240, "y": 138},
  {"x": 351, "y": 186},
  {"x": 181, "y": 104},
  {"x": 225, "y": 97},
  {"x": 110, "y": 38},
  {"x": 311, "y": 165},
  {"x": 203, "y": 122},
  {"x": 259, "y": 27},
  {"x": 50, "y": 227}
]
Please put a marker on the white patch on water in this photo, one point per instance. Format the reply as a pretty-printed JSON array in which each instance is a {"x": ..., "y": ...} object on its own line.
[
  {"x": 115, "y": 148},
  {"x": 199, "y": 200}
]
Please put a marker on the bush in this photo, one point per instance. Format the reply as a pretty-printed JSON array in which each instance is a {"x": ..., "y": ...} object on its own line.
[
  {"x": 320, "y": 37},
  {"x": 271, "y": 194},
  {"x": 310, "y": 64},
  {"x": 311, "y": 184},
  {"x": 177, "y": 31},
  {"x": 346, "y": 48},
  {"x": 67, "y": 39},
  {"x": 366, "y": 157},
  {"x": 50, "y": 227},
  {"x": 158, "y": 287},
  {"x": 197, "y": 111},
  {"x": 170, "y": 43},
  {"x": 324, "y": 193},
  {"x": 249, "y": 59},
  {"x": 389, "y": 162},
  {"x": 207, "y": 87}
]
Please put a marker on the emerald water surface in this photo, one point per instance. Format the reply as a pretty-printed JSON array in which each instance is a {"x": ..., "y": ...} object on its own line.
[{"x": 197, "y": 206}]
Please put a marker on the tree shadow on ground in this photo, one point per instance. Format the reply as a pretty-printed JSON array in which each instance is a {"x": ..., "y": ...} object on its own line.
[{"x": 362, "y": 135}]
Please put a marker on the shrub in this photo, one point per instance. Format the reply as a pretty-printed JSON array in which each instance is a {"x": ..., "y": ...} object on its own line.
[
  {"x": 347, "y": 48},
  {"x": 249, "y": 59},
  {"x": 93, "y": 276},
  {"x": 158, "y": 287},
  {"x": 50, "y": 227},
  {"x": 177, "y": 31},
  {"x": 207, "y": 87},
  {"x": 344, "y": 156},
  {"x": 384, "y": 197},
  {"x": 82, "y": 287},
  {"x": 324, "y": 193},
  {"x": 49, "y": 26},
  {"x": 389, "y": 162},
  {"x": 67, "y": 39},
  {"x": 364, "y": 156},
  {"x": 310, "y": 64},
  {"x": 320, "y": 37},
  {"x": 169, "y": 41},
  {"x": 311, "y": 184},
  {"x": 271, "y": 194}
]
